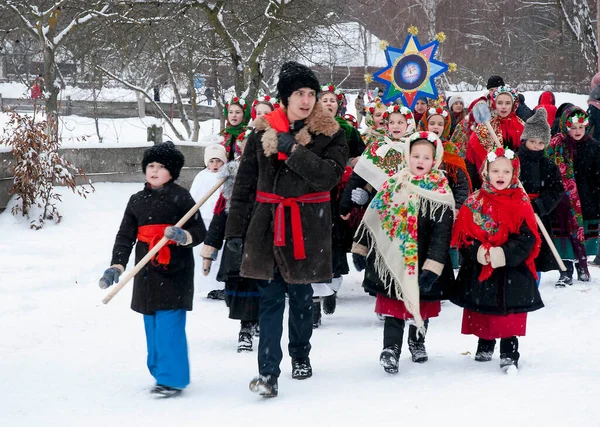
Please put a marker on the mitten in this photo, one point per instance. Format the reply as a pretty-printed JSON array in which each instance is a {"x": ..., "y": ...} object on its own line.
[
  {"x": 360, "y": 196},
  {"x": 426, "y": 280},
  {"x": 481, "y": 253},
  {"x": 359, "y": 261},
  {"x": 235, "y": 244},
  {"x": 497, "y": 258},
  {"x": 111, "y": 275},
  {"x": 177, "y": 235},
  {"x": 285, "y": 143},
  {"x": 206, "y": 264}
]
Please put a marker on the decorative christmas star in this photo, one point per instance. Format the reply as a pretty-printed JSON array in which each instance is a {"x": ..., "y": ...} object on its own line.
[{"x": 410, "y": 72}]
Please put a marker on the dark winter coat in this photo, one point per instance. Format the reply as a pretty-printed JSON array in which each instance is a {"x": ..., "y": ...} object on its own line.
[
  {"x": 510, "y": 289},
  {"x": 594, "y": 128},
  {"x": 230, "y": 262},
  {"x": 433, "y": 244},
  {"x": 586, "y": 162},
  {"x": 156, "y": 287},
  {"x": 541, "y": 177},
  {"x": 523, "y": 111},
  {"x": 459, "y": 186},
  {"x": 316, "y": 165}
]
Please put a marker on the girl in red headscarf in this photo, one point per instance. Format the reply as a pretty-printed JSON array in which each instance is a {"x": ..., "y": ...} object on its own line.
[
  {"x": 507, "y": 126},
  {"x": 497, "y": 235}
]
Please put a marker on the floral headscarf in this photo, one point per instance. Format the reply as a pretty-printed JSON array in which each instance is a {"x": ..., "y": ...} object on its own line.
[
  {"x": 561, "y": 152},
  {"x": 391, "y": 221}
]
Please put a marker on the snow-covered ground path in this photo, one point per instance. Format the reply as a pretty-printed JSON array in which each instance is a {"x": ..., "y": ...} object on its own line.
[{"x": 68, "y": 360}]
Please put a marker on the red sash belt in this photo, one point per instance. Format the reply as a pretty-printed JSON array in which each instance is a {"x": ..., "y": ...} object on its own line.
[
  {"x": 292, "y": 203},
  {"x": 152, "y": 234}
]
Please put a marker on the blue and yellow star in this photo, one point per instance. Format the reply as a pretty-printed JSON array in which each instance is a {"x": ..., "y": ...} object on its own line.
[{"x": 410, "y": 72}]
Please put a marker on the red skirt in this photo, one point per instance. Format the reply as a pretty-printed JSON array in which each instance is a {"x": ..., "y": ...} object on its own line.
[
  {"x": 396, "y": 308},
  {"x": 489, "y": 327}
]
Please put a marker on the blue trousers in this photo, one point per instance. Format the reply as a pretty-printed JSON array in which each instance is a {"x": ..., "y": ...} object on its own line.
[
  {"x": 270, "y": 319},
  {"x": 167, "y": 348},
  {"x": 539, "y": 273}
]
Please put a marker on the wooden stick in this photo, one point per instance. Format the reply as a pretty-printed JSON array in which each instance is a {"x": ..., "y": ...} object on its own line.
[
  {"x": 127, "y": 277},
  {"x": 540, "y": 224}
]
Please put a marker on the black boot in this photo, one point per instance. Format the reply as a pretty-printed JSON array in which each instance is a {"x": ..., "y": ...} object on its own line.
[
  {"x": 216, "y": 294},
  {"x": 389, "y": 358},
  {"x": 316, "y": 314},
  {"x": 417, "y": 345},
  {"x": 329, "y": 303},
  {"x": 583, "y": 274},
  {"x": 301, "y": 368},
  {"x": 566, "y": 277},
  {"x": 165, "y": 391},
  {"x": 393, "y": 333},
  {"x": 245, "y": 337},
  {"x": 265, "y": 385},
  {"x": 485, "y": 350},
  {"x": 509, "y": 354}
]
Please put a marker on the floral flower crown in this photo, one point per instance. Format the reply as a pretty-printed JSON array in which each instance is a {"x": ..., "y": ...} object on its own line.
[
  {"x": 398, "y": 109},
  {"x": 265, "y": 98},
  {"x": 500, "y": 152},
  {"x": 577, "y": 119},
  {"x": 331, "y": 88},
  {"x": 236, "y": 100},
  {"x": 514, "y": 93},
  {"x": 435, "y": 111},
  {"x": 351, "y": 118},
  {"x": 375, "y": 105},
  {"x": 429, "y": 136}
]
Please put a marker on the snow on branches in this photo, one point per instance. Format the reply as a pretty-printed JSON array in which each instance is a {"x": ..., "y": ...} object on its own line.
[{"x": 38, "y": 166}]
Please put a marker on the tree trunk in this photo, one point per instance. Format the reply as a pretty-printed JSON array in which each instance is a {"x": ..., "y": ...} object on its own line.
[
  {"x": 52, "y": 90},
  {"x": 141, "y": 102}
]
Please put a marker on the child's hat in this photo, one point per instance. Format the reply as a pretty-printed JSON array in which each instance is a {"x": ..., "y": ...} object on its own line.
[
  {"x": 167, "y": 155},
  {"x": 215, "y": 151},
  {"x": 537, "y": 127}
]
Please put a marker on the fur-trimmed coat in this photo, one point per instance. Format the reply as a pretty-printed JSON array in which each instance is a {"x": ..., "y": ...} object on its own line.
[{"x": 316, "y": 165}]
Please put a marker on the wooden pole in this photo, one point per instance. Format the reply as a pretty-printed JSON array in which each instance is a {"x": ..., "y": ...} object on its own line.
[{"x": 127, "y": 277}]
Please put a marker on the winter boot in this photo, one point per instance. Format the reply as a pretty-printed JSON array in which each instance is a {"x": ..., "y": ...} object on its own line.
[
  {"x": 316, "y": 313},
  {"x": 301, "y": 368},
  {"x": 485, "y": 350},
  {"x": 329, "y": 303},
  {"x": 265, "y": 385},
  {"x": 389, "y": 358},
  {"x": 566, "y": 277},
  {"x": 509, "y": 354},
  {"x": 165, "y": 392},
  {"x": 583, "y": 274},
  {"x": 216, "y": 294},
  {"x": 255, "y": 329},
  {"x": 416, "y": 345},
  {"x": 245, "y": 337}
]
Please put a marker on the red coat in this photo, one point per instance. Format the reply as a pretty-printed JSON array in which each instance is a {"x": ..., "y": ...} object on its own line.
[{"x": 547, "y": 101}]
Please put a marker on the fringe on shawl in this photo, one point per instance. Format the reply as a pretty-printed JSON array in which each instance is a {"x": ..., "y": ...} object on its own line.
[{"x": 384, "y": 273}]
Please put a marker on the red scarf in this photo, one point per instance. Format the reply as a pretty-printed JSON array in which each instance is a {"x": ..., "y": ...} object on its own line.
[
  {"x": 279, "y": 121},
  {"x": 490, "y": 215},
  {"x": 151, "y": 234}
]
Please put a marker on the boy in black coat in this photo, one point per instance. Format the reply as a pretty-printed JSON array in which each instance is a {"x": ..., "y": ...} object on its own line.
[
  {"x": 541, "y": 180},
  {"x": 164, "y": 289}
]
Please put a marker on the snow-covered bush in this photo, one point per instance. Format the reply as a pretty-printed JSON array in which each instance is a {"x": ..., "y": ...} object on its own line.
[{"x": 37, "y": 168}]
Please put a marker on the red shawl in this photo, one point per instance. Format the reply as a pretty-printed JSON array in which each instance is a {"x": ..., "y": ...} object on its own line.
[{"x": 490, "y": 216}]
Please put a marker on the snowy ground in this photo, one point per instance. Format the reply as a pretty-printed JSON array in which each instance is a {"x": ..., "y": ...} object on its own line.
[{"x": 68, "y": 360}]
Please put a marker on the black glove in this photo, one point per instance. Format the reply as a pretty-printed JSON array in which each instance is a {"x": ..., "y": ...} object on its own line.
[
  {"x": 110, "y": 276},
  {"x": 426, "y": 280},
  {"x": 235, "y": 244},
  {"x": 285, "y": 143},
  {"x": 359, "y": 261}
]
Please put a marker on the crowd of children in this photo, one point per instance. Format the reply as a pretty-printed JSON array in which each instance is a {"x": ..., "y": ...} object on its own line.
[{"x": 412, "y": 195}]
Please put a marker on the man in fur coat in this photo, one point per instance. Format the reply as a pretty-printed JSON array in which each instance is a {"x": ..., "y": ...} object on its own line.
[{"x": 280, "y": 220}]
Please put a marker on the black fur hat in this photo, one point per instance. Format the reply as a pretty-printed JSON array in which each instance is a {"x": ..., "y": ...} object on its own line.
[
  {"x": 294, "y": 76},
  {"x": 167, "y": 155},
  {"x": 495, "y": 81}
]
